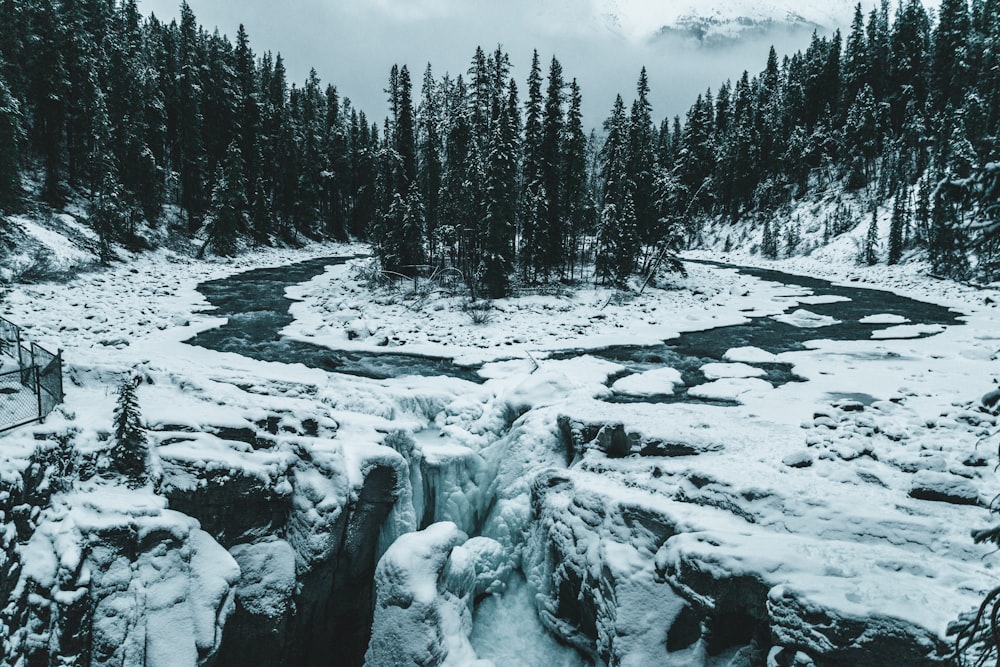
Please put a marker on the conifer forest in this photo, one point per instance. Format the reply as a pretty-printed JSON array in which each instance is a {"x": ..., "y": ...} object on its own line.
[{"x": 489, "y": 174}]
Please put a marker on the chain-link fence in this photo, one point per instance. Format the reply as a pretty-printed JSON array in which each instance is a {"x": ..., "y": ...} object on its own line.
[{"x": 32, "y": 389}]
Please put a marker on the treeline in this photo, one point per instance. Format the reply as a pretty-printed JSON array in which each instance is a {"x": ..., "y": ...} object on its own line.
[
  {"x": 903, "y": 111},
  {"x": 136, "y": 114},
  {"x": 904, "y": 114},
  {"x": 468, "y": 181}
]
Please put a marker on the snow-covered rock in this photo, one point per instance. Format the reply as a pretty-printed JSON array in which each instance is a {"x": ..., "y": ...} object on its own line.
[
  {"x": 113, "y": 578},
  {"x": 426, "y": 583}
]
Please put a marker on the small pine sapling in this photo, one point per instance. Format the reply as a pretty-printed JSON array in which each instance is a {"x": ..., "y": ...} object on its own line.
[{"x": 130, "y": 451}]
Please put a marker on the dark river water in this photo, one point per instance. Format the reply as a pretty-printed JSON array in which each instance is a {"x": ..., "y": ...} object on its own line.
[{"x": 256, "y": 307}]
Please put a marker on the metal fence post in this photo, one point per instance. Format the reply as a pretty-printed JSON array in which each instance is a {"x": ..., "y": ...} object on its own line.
[
  {"x": 38, "y": 393},
  {"x": 62, "y": 393}
]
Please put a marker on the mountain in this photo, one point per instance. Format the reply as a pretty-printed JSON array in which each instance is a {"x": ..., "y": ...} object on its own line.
[{"x": 724, "y": 21}]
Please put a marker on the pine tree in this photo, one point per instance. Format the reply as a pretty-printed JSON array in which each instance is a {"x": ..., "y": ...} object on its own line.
[
  {"x": 108, "y": 212},
  {"x": 578, "y": 203},
  {"x": 430, "y": 148},
  {"x": 411, "y": 233},
  {"x": 871, "y": 241},
  {"x": 228, "y": 218},
  {"x": 618, "y": 241},
  {"x": 533, "y": 196},
  {"x": 129, "y": 452},
  {"x": 642, "y": 160},
  {"x": 10, "y": 149},
  {"x": 501, "y": 208},
  {"x": 769, "y": 240},
  {"x": 189, "y": 142},
  {"x": 551, "y": 236},
  {"x": 856, "y": 58},
  {"x": 897, "y": 228},
  {"x": 949, "y": 64}
]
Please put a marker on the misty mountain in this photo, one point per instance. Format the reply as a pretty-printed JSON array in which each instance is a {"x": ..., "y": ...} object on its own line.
[{"x": 722, "y": 22}]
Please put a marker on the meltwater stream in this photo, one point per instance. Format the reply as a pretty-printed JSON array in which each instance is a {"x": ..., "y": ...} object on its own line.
[{"x": 256, "y": 308}]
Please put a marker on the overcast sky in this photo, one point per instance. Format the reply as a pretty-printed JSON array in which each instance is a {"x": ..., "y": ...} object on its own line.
[{"x": 353, "y": 44}]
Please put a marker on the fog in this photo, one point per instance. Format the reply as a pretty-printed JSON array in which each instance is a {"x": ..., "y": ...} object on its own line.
[{"x": 354, "y": 44}]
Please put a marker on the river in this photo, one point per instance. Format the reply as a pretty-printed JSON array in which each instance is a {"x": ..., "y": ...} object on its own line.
[{"x": 256, "y": 309}]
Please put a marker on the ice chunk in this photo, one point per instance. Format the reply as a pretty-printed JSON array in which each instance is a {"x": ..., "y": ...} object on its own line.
[
  {"x": 729, "y": 389},
  {"x": 805, "y": 319},
  {"x": 651, "y": 383},
  {"x": 736, "y": 370},
  {"x": 884, "y": 318}
]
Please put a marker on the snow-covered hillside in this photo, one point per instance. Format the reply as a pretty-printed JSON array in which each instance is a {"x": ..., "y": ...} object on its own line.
[{"x": 642, "y": 19}]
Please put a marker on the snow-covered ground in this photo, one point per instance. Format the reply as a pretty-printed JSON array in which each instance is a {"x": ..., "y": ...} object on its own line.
[{"x": 850, "y": 495}]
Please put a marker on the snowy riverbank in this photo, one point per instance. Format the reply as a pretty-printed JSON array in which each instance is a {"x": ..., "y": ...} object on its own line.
[{"x": 831, "y": 515}]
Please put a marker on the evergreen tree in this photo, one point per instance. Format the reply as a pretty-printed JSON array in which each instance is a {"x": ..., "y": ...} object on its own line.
[
  {"x": 642, "y": 161},
  {"x": 949, "y": 65},
  {"x": 769, "y": 240},
  {"x": 871, "y": 241},
  {"x": 897, "y": 228},
  {"x": 189, "y": 144},
  {"x": 430, "y": 149},
  {"x": 404, "y": 132},
  {"x": 129, "y": 452},
  {"x": 856, "y": 58},
  {"x": 578, "y": 204},
  {"x": 551, "y": 235},
  {"x": 228, "y": 218},
  {"x": 10, "y": 149},
  {"x": 533, "y": 195},
  {"x": 501, "y": 208},
  {"x": 108, "y": 213},
  {"x": 618, "y": 241},
  {"x": 411, "y": 233}
]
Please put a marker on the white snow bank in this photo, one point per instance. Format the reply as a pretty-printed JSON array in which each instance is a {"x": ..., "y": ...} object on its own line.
[
  {"x": 717, "y": 371},
  {"x": 730, "y": 389},
  {"x": 750, "y": 355},
  {"x": 883, "y": 318},
  {"x": 907, "y": 331},
  {"x": 805, "y": 319}
]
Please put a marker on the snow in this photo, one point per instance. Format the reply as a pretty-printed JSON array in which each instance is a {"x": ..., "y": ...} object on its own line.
[
  {"x": 732, "y": 370},
  {"x": 527, "y": 327},
  {"x": 729, "y": 388},
  {"x": 805, "y": 319},
  {"x": 723, "y": 488},
  {"x": 640, "y": 20},
  {"x": 907, "y": 331},
  {"x": 651, "y": 383},
  {"x": 65, "y": 253},
  {"x": 507, "y": 632},
  {"x": 883, "y": 318},
  {"x": 267, "y": 577},
  {"x": 750, "y": 355}
]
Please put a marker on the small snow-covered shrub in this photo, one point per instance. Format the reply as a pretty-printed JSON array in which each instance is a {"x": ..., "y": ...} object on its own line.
[
  {"x": 479, "y": 312},
  {"x": 39, "y": 268},
  {"x": 56, "y": 463},
  {"x": 370, "y": 273}
]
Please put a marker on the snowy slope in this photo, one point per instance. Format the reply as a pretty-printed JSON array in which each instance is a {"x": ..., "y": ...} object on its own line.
[{"x": 641, "y": 19}]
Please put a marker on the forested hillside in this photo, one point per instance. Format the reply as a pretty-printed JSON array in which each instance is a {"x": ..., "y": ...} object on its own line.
[{"x": 151, "y": 123}]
